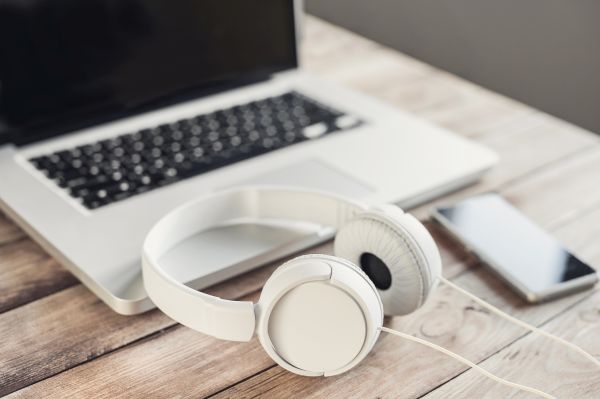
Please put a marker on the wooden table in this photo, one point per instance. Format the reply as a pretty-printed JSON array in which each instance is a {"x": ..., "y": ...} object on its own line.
[{"x": 59, "y": 340}]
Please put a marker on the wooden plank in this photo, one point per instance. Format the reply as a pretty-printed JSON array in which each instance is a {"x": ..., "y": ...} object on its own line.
[
  {"x": 28, "y": 356},
  {"x": 9, "y": 232},
  {"x": 578, "y": 194},
  {"x": 34, "y": 345},
  {"x": 69, "y": 327},
  {"x": 449, "y": 319},
  {"x": 346, "y": 57},
  {"x": 28, "y": 273},
  {"x": 403, "y": 81},
  {"x": 539, "y": 201},
  {"x": 178, "y": 363},
  {"x": 242, "y": 284},
  {"x": 484, "y": 109},
  {"x": 444, "y": 98},
  {"x": 582, "y": 237},
  {"x": 553, "y": 142},
  {"x": 455, "y": 258},
  {"x": 533, "y": 142},
  {"x": 479, "y": 281},
  {"x": 538, "y": 362},
  {"x": 524, "y": 189},
  {"x": 536, "y": 195},
  {"x": 578, "y": 235},
  {"x": 400, "y": 369}
]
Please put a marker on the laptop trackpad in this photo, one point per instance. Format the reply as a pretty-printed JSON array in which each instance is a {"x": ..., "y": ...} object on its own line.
[{"x": 313, "y": 174}]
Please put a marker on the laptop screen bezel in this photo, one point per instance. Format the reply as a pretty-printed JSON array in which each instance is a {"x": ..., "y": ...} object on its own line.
[{"x": 17, "y": 138}]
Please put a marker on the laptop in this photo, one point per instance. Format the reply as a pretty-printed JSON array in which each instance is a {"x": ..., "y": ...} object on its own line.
[{"x": 113, "y": 113}]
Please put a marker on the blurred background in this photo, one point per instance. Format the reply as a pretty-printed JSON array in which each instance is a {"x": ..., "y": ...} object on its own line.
[{"x": 545, "y": 53}]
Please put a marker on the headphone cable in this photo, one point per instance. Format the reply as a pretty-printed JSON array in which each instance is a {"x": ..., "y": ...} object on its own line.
[
  {"x": 468, "y": 363},
  {"x": 514, "y": 320}
]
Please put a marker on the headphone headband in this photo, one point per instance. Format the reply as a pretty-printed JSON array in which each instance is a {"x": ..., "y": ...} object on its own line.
[{"x": 226, "y": 319}]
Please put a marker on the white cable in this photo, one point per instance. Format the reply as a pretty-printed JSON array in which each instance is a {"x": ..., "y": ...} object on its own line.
[
  {"x": 527, "y": 326},
  {"x": 469, "y": 363}
]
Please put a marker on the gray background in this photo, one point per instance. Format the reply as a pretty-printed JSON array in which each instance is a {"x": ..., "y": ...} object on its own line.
[{"x": 545, "y": 53}]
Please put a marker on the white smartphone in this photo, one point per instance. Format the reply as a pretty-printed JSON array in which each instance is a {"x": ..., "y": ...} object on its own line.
[{"x": 534, "y": 263}]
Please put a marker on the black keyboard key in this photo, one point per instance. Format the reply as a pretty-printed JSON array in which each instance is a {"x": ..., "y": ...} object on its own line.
[{"x": 119, "y": 167}]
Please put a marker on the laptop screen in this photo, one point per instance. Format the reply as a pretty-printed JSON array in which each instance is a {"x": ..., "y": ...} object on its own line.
[{"x": 67, "y": 64}]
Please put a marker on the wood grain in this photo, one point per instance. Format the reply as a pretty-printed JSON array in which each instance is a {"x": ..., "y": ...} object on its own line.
[
  {"x": 555, "y": 368},
  {"x": 404, "y": 81},
  {"x": 540, "y": 363},
  {"x": 448, "y": 319},
  {"x": 351, "y": 59},
  {"x": 533, "y": 142},
  {"x": 9, "y": 232},
  {"x": 176, "y": 362},
  {"x": 537, "y": 200},
  {"x": 554, "y": 144},
  {"x": 69, "y": 327},
  {"x": 148, "y": 328},
  {"x": 92, "y": 325},
  {"x": 28, "y": 273},
  {"x": 578, "y": 235},
  {"x": 479, "y": 281},
  {"x": 73, "y": 326},
  {"x": 583, "y": 237},
  {"x": 577, "y": 179},
  {"x": 484, "y": 112},
  {"x": 400, "y": 369}
]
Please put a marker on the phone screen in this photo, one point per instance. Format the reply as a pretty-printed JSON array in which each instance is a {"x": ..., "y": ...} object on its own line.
[{"x": 507, "y": 240}]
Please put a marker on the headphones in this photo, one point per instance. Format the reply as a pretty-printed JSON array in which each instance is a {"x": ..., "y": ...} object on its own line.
[{"x": 318, "y": 315}]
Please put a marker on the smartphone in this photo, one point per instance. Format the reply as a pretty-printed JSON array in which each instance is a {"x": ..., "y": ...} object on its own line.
[{"x": 531, "y": 261}]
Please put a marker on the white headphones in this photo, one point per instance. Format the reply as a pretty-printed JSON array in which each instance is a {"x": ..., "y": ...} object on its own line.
[{"x": 317, "y": 314}]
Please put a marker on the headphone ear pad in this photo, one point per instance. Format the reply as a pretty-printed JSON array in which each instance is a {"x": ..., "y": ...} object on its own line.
[{"x": 396, "y": 252}]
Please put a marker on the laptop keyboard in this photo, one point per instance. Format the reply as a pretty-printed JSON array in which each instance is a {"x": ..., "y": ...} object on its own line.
[{"x": 114, "y": 169}]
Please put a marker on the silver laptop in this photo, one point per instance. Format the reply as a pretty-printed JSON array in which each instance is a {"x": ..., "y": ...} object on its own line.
[{"x": 113, "y": 113}]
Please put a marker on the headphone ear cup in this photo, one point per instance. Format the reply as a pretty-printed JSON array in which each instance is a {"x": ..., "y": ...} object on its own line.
[
  {"x": 318, "y": 315},
  {"x": 397, "y": 253}
]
